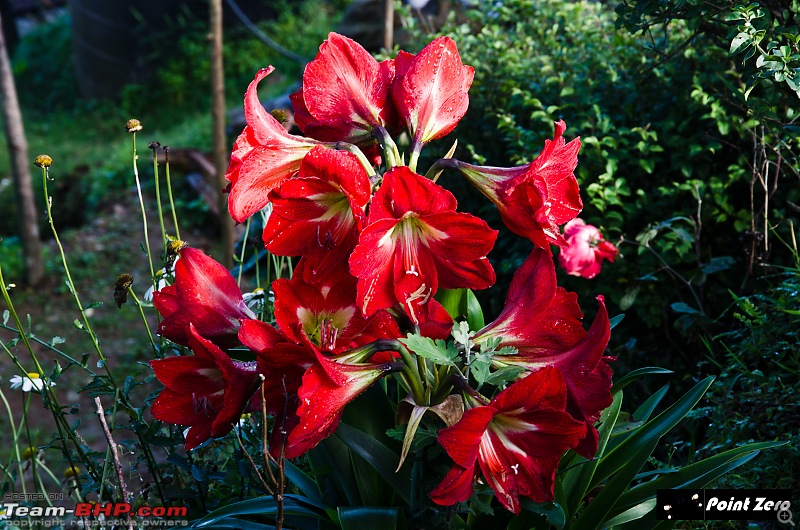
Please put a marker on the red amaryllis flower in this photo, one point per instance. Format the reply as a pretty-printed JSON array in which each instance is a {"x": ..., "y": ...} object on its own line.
[
  {"x": 535, "y": 199},
  {"x": 325, "y": 315},
  {"x": 204, "y": 295},
  {"x": 414, "y": 243},
  {"x": 541, "y": 320},
  {"x": 305, "y": 390},
  {"x": 585, "y": 251},
  {"x": 319, "y": 213},
  {"x": 282, "y": 363},
  {"x": 207, "y": 391},
  {"x": 345, "y": 93},
  {"x": 517, "y": 440},
  {"x": 323, "y": 398},
  {"x": 431, "y": 90},
  {"x": 263, "y": 156}
]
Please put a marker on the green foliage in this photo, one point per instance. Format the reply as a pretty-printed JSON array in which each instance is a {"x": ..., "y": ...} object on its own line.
[
  {"x": 43, "y": 67},
  {"x": 667, "y": 168},
  {"x": 758, "y": 390},
  {"x": 299, "y": 28}
]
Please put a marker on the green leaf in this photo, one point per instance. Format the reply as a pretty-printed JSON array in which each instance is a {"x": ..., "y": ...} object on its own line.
[
  {"x": 576, "y": 480},
  {"x": 637, "y": 512},
  {"x": 649, "y": 434},
  {"x": 629, "y": 298},
  {"x": 551, "y": 511},
  {"x": 696, "y": 475},
  {"x": 474, "y": 312},
  {"x": 646, "y": 409},
  {"x": 411, "y": 429},
  {"x": 613, "y": 321},
  {"x": 680, "y": 307},
  {"x": 738, "y": 43},
  {"x": 437, "y": 352},
  {"x": 292, "y": 505},
  {"x": 303, "y": 482},
  {"x": 504, "y": 375},
  {"x": 451, "y": 301},
  {"x": 630, "y": 377},
  {"x": 378, "y": 456},
  {"x": 367, "y": 517},
  {"x": 718, "y": 264},
  {"x": 594, "y": 515}
]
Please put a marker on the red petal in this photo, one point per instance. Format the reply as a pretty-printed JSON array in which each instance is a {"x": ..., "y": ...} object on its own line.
[
  {"x": 322, "y": 402},
  {"x": 345, "y": 88},
  {"x": 403, "y": 190},
  {"x": 462, "y": 440},
  {"x": 264, "y": 155},
  {"x": 432, "y": 93},
  {"x": 538, "y": 316},
  {"x": 205, "y": 295},
  {"x": 455, "y": 487}
]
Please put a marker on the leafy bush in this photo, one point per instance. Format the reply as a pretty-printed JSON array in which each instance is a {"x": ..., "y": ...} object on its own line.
[
  {"x": 667, "y": 165},
  {"x": 757, "y": 393}
]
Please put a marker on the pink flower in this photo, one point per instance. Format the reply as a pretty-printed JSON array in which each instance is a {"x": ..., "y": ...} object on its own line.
[{"x": 585, "y": 251}]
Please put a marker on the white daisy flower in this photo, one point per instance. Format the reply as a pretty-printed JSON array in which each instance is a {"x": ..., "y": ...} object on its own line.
[
  {"x": 257, "y": 299},
  {"x": 31, "y": 382}
]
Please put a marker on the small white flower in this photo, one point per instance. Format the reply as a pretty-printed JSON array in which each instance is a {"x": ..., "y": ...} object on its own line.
[
  {"x": 257, "y": 299},
  {"x": 31, "y": 382}
]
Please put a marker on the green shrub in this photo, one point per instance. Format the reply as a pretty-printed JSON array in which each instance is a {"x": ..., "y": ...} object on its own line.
[
  {"x": 666, "y": 167},
  {"x": 757, "y": 395}
]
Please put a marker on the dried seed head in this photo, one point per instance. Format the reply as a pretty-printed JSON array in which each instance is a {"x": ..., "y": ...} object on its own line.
[
  {"x": 133, "y": 125},
  {"x": 280, "y": 115},
  {"x": 124, "y": 281},
  {"x": 43, "y": 160},
  {"x": 154, "y": 145}
]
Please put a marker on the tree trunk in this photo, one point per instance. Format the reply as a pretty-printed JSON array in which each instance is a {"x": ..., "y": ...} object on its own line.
[
  {"x": 221, "y": 155},
  {"x": 20, "y": 170},
  {"x": 388, "y": 25}
]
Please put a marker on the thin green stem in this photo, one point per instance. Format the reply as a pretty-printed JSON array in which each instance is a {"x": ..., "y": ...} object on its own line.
[
  {"x": 244, "y": 248},
  {"x": 412, "y": 376},
  {"x": 50, "y": 347},
  {"x": 412, "y": 161},
  {"x": 169, "y": 192},
  {"x": 49, "y": 202},
  {"x": 15, "y": 437},
  {"x": 144, "y": 319},
  {"x": 144, "y": 213},
  {"x": 391, "y": 155},
  {"x": 158, "y": 203}
]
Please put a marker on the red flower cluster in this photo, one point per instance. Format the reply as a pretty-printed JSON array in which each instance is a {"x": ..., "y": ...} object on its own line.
[{"x": 376, "y": 243}]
